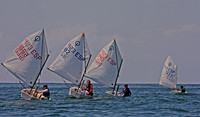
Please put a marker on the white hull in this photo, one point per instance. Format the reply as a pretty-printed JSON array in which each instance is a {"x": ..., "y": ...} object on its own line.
[
  {"x": 73, "y": 92},
  {"x": 178, "y": 92},
  {"x": 114, "y": 94},
  {"x": 27, "y": 95}
]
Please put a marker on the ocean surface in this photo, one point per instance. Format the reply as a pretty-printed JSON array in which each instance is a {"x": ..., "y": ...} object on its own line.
[{"x": 147, "y": 100}]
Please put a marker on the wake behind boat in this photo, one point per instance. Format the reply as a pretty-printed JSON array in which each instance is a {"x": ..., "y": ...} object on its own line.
[
  {"x": 72, "y": 62},
  {"x": 106, "y": 67},
  {"x": 27, "y": 61}
]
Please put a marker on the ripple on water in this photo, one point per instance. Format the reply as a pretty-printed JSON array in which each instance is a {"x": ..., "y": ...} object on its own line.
[{"x": 146, "y": 100}]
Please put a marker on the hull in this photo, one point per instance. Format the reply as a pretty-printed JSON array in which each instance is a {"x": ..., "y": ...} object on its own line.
[
  {"x": 178, "y": 92},
  {"x": 27, "y": 94},
  {"x": 74, "y": 92},
  {"x": 110, "y": 93}
]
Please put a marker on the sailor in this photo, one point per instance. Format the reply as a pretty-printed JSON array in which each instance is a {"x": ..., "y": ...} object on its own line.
[
  {"x": 183, "y": 89},
  {"x": 126, "y": 91},
  {"x": 45, "y": 92},
  {"x": 88, "y": 88}
]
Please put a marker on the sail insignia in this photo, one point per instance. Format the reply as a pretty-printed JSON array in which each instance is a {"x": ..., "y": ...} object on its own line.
[
  {"x": 105, "y": 68},
  {"x": 27, "y": 60},
  {"x": 71, "y": 63}
]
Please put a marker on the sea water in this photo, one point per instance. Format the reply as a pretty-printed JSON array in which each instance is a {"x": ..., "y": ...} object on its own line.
[{"x": 147, "y": 100}]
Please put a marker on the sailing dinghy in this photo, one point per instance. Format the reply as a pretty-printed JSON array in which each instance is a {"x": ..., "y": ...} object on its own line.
[
  {"x": 106, "y": 67},
  {"x": 169, "y": 75},
  {"x": 27, "y": 61},
  {"x": 72, "y": 62}
]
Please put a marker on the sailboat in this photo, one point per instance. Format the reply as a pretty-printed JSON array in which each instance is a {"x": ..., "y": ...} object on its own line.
[
  {"x": 27, "y": 61},
  {"x": 106, "y": 67},
  {"x": 72, "y": 62},
  {"x": 169, "y": 75}
]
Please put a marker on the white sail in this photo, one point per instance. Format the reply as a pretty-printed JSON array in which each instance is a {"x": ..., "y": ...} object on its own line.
[
  {"x": 28, "y": 59},
  {"x": 72, "y": 61},
  {"x": 105, "y": 68},
  {"x": 169, "y": 74}
]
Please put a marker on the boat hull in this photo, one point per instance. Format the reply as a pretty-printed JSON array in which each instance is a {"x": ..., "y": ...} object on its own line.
[
  {"x": 110, "y": 93},
  {"x": 74, "y": 92},
  {"x": 178, "y": 92},
  {"x": 27, "y": 94}
]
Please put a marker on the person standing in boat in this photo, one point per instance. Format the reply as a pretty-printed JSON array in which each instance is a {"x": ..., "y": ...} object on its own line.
[
  {"x": 126, "y": 91},
  {"x": 88, "y": 88}
]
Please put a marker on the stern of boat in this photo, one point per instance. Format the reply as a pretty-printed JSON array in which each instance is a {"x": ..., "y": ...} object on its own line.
[{"x": 73, "y": 92}]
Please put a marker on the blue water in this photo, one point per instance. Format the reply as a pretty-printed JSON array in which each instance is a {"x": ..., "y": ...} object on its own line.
[{"x": 146, "y": 100}]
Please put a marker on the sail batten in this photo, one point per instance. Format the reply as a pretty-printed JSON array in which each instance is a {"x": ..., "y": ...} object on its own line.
[
  {"x": 72, "y": 61},
  {"x": 169, "y": 74},
  {"x": 105, "y": 67},
  {"x": 27, "y": 60}
]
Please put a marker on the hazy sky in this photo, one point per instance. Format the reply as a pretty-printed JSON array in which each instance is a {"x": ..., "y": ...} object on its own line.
[{"x": 147, "y": 31}]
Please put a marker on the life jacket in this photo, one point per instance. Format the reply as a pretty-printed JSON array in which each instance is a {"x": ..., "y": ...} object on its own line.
[
  {"x": 127, "y": 92},
  {"x": 46, "y": 93},
  {"x": 88, "y": 88},
  {"x": 183, "y": 90}
]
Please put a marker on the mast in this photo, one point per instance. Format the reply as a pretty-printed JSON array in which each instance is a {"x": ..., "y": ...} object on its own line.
[
  {"x": 40, "y": 70},
  {"x": 86, "y": 64},
  {"x": 117, "y": 65},
  {"x": 41, "y": 66},
  {"x": 117, "y": 74},
  {"x": 84, "y": 71},
  {"x": 176, "y": 77}
]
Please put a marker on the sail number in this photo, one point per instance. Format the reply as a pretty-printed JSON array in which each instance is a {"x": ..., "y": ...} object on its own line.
[
  {"x": 170, "y": 74},
  {"x": 35, "y": 54},
  {"x": 103, "y": 56},
  {"x": 22, "y": 51},
  {"x": 71, "y": 49}
]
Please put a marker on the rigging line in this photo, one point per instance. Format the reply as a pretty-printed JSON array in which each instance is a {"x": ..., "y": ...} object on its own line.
[
  {"x": 15, "y": 74},
  {"x": 66, "y": 84},
  {"x": 22, "y": 84},
  {"x": 61, "y": 76}
]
